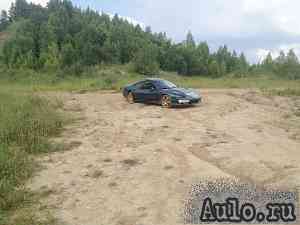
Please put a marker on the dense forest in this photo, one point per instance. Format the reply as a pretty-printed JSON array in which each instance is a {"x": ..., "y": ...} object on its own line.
[{"x": 63, "y": 36}]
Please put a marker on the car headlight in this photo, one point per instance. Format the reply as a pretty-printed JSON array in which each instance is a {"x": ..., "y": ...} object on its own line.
[
  {"x": 177, "y": 96},
  {"x": 193, "y": 95}
]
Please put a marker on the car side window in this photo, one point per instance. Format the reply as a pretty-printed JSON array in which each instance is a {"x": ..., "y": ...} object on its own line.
[
  {"x": 147, "y": 86},
  {"x": 139, "y": 85}
]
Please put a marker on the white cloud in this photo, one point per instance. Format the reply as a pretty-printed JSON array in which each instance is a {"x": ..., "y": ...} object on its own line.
[
  {"x": 262, "y": 53},
  {"x": 280, "y": 14},
  {"x": 5, "y": 4},
  {"x": 134, "y": 21},
  {"x": 41, "y": 2},
  {"x": 129, "y": 19}
]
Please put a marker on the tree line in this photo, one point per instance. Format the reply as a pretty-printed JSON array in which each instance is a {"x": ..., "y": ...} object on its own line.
[
  {"x": 61, "y": 36},
  {"x": 285, "y": 65}
]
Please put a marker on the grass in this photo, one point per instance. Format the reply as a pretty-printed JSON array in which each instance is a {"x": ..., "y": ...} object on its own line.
[
  {"x": 283, "y": 91},
  {"x": 116, "y": 77},
  {"x": 104, "y": 78},
  {"x": 26, "y": 123},
  {"x": 291, "y": 120}
]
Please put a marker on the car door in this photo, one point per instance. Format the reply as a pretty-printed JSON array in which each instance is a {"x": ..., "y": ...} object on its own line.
[
  {"x": 151, "y": 93},
  {"x": 138, "y": 91},
  {"x": 147, "y": 92}
]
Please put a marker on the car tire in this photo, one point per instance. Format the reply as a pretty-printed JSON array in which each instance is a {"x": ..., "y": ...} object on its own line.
[
  {"x": 166, "y": 101},
  {"x": 130, "y": 98}
]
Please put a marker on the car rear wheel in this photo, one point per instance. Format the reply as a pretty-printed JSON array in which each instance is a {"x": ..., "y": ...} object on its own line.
[
  {"x": 130, "y": 98},
  {"x": 166, "y": 101}
]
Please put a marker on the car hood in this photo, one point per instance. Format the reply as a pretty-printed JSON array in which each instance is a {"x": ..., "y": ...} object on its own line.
[{"x": 181, "y": 92}]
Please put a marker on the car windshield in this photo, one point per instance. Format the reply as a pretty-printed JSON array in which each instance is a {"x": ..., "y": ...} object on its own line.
[{"x": 163, "y": 84}]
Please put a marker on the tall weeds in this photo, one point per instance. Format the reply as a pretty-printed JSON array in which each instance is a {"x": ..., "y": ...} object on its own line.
[{"x": 26, "y": 123}]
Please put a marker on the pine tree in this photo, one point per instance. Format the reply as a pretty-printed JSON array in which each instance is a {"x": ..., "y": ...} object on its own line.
[
  {"x": 12, "y": 12},
  {"x": 292, "y": 67},
  {"x": 281, "y": 59},
  {"x": 267, "y": 63},
  {"x": 292, "y": 58},
  {"x": 4, "y": 20},
  {"x": 22, "y": 9},
  {"x": 148, "y": 30},
  {"x": 190, "y": 40}
]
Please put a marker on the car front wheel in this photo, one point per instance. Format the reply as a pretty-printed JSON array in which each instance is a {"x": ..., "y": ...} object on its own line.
[{"x": 166, "y": 101}]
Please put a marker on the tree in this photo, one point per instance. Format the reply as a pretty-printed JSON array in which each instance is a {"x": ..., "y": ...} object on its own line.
[
  {"x": 291, "y": 58},
  {"x": 222, "y": 69},
  {"x": 242, "y": 67},
  {"x": 268, "y": 62},
  {"x": 148, "y": 30},
  {"x": 203, "y": 55},
  {"x": 281, "y": 59},
  {"x": 51, "y": 57},
  {"x": 213, "y": 68},
  {"x": 58, "y": 28},
  {"x": 61, "y": 35},
  {"x": 4, "y": 20},
  {"x": 188, "y": 52},
  {"x": 12, "y": 12},
  {"x": 190, "y": 40},
  {"x": 68, "y": 55},
  {"x": 290, "y": 68},
  {"x": 19, "y": 9},
  {"x": 170, "y": 60},
  {"x": 181, "y": 66},
  {"x": 233, "y": 62},
  {"x": 18, "y": 51},
  {"x": 145, "y": 61},
  {"x": 89, "y": 42},
  {"x": 26, "y": 45}
]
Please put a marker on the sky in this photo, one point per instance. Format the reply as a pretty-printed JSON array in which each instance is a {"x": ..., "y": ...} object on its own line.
[{"x": 255, "y": 27}]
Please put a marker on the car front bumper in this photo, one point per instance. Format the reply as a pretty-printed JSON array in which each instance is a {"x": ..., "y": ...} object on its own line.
[{"x": 190, "y": 101}]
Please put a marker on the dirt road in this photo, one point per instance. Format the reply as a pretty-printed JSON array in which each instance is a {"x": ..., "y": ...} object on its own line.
[{"x": 134, "y": 164}]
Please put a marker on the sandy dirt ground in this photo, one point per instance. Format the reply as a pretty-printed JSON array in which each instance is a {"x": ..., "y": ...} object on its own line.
[{"x": 134, "y": 164}]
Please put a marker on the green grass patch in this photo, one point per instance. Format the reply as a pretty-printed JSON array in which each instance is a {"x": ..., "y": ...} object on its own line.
[
  {"x": 114, "y": 77},
  {"x": 26, "y": 123},
  {"x": 283, "y": 91},
  {"x": 258, "y": 82}
]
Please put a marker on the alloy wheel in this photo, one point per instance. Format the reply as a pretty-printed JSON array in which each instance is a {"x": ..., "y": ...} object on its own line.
[{"x": 166, "y": 101}]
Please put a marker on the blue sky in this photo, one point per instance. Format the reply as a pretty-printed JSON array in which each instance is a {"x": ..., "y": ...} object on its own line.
[{"x": 253, "y": 26}]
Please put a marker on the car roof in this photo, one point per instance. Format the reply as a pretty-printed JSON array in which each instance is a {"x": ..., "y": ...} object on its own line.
[
  {"x": 154, "y": 79},
  {"x": 148, "y": 79}
]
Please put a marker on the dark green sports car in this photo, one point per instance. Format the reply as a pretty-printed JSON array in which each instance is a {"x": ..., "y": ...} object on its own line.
[{"x": 161, "y": 92}]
